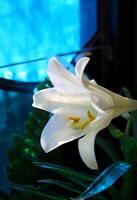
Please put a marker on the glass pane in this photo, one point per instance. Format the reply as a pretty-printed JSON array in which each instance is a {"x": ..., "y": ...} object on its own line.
[
  {"x": 32, "y": 29},
  {"x": 88, "y": 19}
]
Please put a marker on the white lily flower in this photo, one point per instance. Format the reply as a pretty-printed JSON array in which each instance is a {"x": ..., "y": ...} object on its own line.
[{"x": 80, "y": 108}]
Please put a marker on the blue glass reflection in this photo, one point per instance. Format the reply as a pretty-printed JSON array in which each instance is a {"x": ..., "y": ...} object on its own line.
[
  {"x": 32, "y": 29},
  {"x": 105, "y": 180}
]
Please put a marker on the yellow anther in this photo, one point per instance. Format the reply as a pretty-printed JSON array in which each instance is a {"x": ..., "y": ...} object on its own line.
[
  {"x": 75, "y": 119},
  {"x": 90, "y": 116},
  {"x": 76, "y": 122},
  {"x": 83, "y": 125}
]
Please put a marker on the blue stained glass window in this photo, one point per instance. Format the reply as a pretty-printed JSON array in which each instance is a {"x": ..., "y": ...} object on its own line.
[
  {"x": 88, "y": 20},
  {"x": 34, "y": 29},
  {"x": 31, "y": 29}
]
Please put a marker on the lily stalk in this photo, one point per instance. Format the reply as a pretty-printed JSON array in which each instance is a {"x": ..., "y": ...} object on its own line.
[{"x": 80, "y": 108}]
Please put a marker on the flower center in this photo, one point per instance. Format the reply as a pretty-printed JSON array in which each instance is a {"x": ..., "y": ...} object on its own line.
[{"x": 76, "y": 122}]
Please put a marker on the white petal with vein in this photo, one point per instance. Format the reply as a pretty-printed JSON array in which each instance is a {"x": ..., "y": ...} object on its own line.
[
  {"x": 56, "y": 133},
  {"x": 64, "y": 81},
  {"x": 86, "y": 150},
  {"x": 51, "y": 101},
  {"x": 114, "y": 101},
  {"x": 98, "y": 95},
  {"x": 80, "y": 66},
  {"x": 86, "y": 144},
  {"x": 47, "y": 99}
]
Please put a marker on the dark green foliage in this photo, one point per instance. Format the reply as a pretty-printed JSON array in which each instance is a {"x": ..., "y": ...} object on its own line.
[
  {"x": 26, "y": 149},
  {"x": 3, "y": 196}
]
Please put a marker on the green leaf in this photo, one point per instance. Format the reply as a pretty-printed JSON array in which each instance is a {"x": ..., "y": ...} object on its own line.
[
  {"x": 73, "y": 175},
  {"x": 62, "y": 184},
  {"x": 31, "y": 189},
  {"x": 127, "y": 92},
  {"x": 133, "y": 114},
  {"x": 105, "y": 179},
  {"x": 129, "y": 149},
  {"x": 128, "y": 127},
  {"x": 99, "y": 198},
  {"x": 107, "y": 148},
  {"x": 134, "y": 122},
  {"x": 3, "y": 196},
  {"x": 117, "y": 133}
]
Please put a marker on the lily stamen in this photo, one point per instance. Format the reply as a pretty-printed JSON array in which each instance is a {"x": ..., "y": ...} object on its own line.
[
  {"x": 91, "y": 116},
  {"x": 79, "y": 123},
  {"x": 75, "y": 119}
]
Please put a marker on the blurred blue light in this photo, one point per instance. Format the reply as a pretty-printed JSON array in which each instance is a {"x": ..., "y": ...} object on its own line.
[
  {"x": 35, "y": 90},
  {"x": 32, "y": 29},
  {"x": 22, "y": 75},
  {"x": 8, "y": 74}
]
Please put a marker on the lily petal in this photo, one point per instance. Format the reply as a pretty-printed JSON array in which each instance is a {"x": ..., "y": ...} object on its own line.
[
  {"x": 80, "y": 66},
  {"x": 46, "y": 99},
  {"x": 108, "y": 100},
  {"x": 86, "y": 144},
  {"x": 123, "y": 105},
  {"x": 98, "y": 96},
  {"x": 63, "y": 81},
  {"x": 86, "y": 150},
  {"x": 56, "y": 133},
  {"x": 51, "y": 101},
  {"x": 80, "y": 107},
  {"x": 120, "y": 104}
]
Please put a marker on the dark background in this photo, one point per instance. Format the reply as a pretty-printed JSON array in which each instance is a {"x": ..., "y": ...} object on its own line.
[{"x": 117, "y": 27}]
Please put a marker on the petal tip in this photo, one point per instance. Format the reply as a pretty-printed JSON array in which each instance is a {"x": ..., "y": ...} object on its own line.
[
  {"x": 52, "y": 60},
  {"x": 95, "y": 166},
  {"x": 33, "y": 105},
  {"x": 46, "y": 145},
  {"x": 85, "y": 60},
  {"x": 87, "y": 152},
  {"x": 46, "y": 148},
  {"x": 80, "y": 66}
]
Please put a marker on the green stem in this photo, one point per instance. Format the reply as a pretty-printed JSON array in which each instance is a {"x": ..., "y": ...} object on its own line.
[{"x": 128, "y": 127}]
